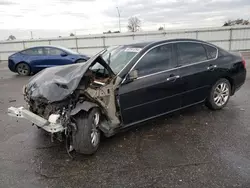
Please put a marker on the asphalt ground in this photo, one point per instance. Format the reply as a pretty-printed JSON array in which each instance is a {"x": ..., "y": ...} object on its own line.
[{"x": 192, "y": 148}]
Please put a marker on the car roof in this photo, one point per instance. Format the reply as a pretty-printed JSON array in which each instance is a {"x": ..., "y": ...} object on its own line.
[
  {"x": 52, "y": 46},
  {"x": 46, "y": 46},
  {"x": 153, "y": 43},
  {"x": 138, "y": 45},
  {"x": 178, "y": 40}
]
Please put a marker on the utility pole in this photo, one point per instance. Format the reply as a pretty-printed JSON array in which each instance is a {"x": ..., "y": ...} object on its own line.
[
  {"x": 119, "y": 15},
  {"x": 31, "y": 34}
]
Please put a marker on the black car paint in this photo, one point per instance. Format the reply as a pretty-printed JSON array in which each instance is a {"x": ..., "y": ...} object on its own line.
[{"x": 153, "y": 96}]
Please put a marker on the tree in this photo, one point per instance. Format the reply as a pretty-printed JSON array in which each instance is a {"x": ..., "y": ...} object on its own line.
[
  {"x": 134, "y": 24},
  {"x": 71, "y": 35},
  {"x": 161, "y": 28},
  {"x": 236, "y": 22},
  {"x": 109, "y": 32},
  {"x": 11, "y": 37}
]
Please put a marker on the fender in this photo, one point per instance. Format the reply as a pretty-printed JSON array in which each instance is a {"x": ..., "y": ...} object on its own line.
[{"x": 86, "y": 106}]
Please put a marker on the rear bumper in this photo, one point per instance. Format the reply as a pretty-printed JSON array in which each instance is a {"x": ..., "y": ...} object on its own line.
[
  {"x": 239, "y": 80},
  {"x": 47, "y": 125}
]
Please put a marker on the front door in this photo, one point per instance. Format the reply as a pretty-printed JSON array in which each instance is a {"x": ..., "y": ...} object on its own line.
[
  {"x": 157, "y": 89},
  {"x": 54, "y": 57},
  {"x": 35, "y": 56}
]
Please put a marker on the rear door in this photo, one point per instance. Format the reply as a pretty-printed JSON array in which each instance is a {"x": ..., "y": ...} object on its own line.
[
  {"x": 35, "y": 57},
  {"x": 197, "y": 71},
  {"x": 156, "y": 91}
]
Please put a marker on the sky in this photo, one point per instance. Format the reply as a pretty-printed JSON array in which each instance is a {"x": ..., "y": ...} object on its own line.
[{"x": 53, "y": 18}]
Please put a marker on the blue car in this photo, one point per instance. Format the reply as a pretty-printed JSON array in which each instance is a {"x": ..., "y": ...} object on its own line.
[{"x": 34, "y": 59}]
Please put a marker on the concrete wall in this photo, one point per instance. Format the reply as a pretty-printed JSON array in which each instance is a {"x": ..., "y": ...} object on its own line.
[{"x": 229, "y": 38}]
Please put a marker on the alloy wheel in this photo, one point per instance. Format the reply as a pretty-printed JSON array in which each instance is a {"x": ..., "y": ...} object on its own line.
[
  {"x": 221, "y": 94},
  {"x": 95, "y": 132}
]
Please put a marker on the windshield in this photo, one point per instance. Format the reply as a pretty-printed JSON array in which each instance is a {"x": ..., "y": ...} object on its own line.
[{"x": 118, "y": 56}]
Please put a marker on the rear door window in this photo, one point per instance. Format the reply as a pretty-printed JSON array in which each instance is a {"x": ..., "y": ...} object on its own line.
[
  {"x": 33, "y": 51},
  {"x": 156, "y": 60},
  {"x": 189, "y": 53}
]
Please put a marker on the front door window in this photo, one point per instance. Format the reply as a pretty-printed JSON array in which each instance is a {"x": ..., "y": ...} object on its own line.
[{"x": 156, "y": 60}]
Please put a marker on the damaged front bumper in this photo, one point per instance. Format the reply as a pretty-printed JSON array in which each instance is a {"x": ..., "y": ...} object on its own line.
[{"x": 49, "y": 125}]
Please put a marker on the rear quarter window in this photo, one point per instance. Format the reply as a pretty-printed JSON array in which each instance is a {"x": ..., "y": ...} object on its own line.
[
  {"x": 222, "y": 53},
  {"x": 211, "y": 51}
]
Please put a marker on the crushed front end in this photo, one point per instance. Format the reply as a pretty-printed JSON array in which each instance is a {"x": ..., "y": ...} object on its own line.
[{"x": 55, "y": 95}]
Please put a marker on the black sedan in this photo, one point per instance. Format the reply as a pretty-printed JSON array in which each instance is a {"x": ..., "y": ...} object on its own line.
[{"x": 129, "y": 84}]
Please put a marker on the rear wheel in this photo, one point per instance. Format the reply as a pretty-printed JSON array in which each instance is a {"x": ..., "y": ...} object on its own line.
[
  {"x": 87, "y": 137},
  {"x": 23, "y": 69},
  {"x": 219, "y": 95}
]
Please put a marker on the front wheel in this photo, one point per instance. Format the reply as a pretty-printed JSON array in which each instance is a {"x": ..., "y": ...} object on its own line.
[
  {"x": 219, "y": 95},
  {"x": 86, "y": 139}
]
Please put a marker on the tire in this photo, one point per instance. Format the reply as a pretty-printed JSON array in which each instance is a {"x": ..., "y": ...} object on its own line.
[
  {"x": 219, "y": 95},
  {"x": 80, "y": 61},
  {"x": 83, "y": 138},
  {"x": 23, "y": 69}
]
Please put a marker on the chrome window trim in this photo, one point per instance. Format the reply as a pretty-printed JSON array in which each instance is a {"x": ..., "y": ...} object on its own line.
[
  {"x": 175, "y": 67},
  {"x": 157, "y": 73}
]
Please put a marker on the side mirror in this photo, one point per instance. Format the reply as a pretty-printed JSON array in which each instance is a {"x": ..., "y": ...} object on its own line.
[
  {"x": 132, "y": 75},
  {"x": 63, "y": 54}
]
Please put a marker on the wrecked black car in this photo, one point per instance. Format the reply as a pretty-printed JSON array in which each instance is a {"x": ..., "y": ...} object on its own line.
[{"x": 125, "y": 85}]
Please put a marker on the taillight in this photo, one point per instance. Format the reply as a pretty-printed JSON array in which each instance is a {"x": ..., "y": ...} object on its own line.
[{"x": 243, "y": 61}]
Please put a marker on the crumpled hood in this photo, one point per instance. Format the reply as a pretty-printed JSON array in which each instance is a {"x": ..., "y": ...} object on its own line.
[{"x": 56, "y": 83}]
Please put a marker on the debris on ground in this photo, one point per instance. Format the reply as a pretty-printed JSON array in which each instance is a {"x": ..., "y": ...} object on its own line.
[{"x": 12, "y": 100}]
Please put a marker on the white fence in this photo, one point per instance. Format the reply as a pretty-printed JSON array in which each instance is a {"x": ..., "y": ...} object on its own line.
[{"x": 229, "y": 38}]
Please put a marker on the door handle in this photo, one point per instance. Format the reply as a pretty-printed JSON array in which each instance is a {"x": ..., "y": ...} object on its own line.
[
  {"x": 173, "y": 78},
  {"x": 211, "y": 67}
]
